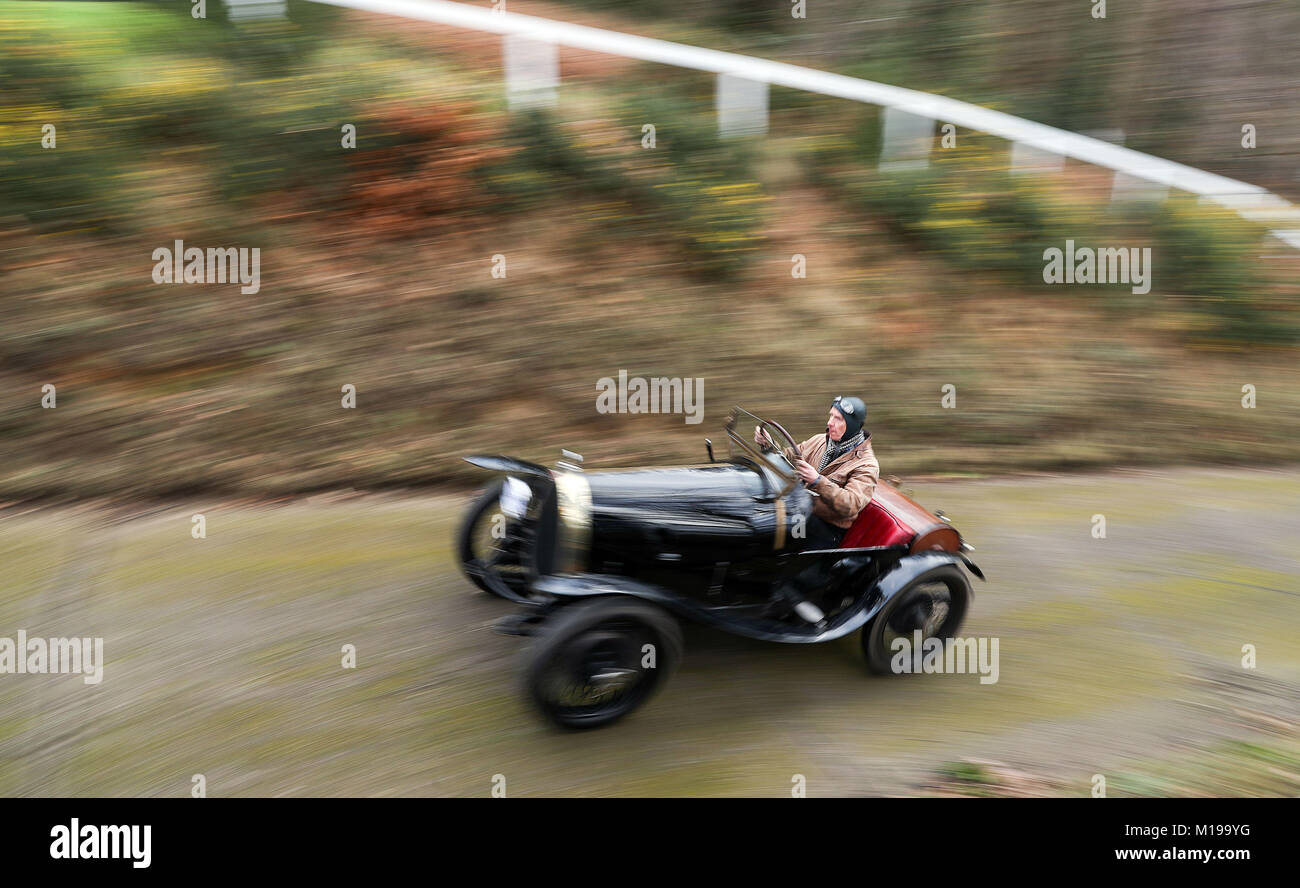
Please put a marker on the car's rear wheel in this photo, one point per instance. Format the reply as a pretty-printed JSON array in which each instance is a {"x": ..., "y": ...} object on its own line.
[
  {"x": 595, "y": 661},
  {"x": 934, "y": 603},
  {"x": 489, "y": 554}
]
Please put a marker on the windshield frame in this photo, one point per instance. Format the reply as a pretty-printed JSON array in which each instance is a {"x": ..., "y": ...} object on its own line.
[{"x": 772, "y": 461}]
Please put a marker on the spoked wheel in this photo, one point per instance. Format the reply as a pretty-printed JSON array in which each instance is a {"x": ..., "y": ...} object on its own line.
[
  {"x": 490, "y": 547},
  {"x": 597, "y": 660},
  {"x": 934, "y": 603}
]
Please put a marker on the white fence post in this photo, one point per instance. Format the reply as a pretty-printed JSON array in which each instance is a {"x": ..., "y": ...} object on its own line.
[
  {"x": 741, "y": 105},
  {"x": 1130, "y": 189},
  {"x": 905, "y": 140},
  {"x": 532, "y": 72},
  {"x": 1029, "y": 159},
  {"x": 251, "y": 10}
]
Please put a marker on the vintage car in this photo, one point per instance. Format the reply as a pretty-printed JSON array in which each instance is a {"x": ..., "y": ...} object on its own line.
[{"x": 604, "y": 562}]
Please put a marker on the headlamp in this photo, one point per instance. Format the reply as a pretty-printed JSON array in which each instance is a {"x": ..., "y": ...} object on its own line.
[{"x": 515, "y": 496}]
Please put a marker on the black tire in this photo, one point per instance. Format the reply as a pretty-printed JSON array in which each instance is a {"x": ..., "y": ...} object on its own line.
[
  {"x": 471, "y": 565},
  {"x": 605, "y": 634},
  {"x": 909, "y": 610}
]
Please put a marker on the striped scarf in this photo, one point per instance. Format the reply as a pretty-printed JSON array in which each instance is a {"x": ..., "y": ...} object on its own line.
[{"x": 835, "y": 451}]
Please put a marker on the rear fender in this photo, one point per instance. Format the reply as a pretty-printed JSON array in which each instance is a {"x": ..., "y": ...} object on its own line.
[
  {"x": 909, "y": 568},
  {"x": 972, "y": 567}
]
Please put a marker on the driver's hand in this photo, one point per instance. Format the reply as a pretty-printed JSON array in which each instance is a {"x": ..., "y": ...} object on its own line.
[
  {"x": 761, "y": 437},
  {"x": 806, "y": 472}
]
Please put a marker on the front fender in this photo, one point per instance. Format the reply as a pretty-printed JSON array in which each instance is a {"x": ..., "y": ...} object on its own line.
[{"x": 507, "y": 464}]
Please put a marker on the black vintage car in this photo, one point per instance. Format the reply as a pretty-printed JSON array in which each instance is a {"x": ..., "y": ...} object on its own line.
[{"x": 604, "y": 563}]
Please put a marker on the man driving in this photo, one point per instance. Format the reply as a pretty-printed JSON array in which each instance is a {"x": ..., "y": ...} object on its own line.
[{"x": 839, "y": 467}]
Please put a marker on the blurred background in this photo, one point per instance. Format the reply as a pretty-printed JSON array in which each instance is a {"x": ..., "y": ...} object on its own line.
[
  {"x": 676, "y": 261},
  {"x": 376, "y": 272}
]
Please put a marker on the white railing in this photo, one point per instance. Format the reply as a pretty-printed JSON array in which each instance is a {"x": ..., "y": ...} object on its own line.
[{"x": 538, "y": 73}]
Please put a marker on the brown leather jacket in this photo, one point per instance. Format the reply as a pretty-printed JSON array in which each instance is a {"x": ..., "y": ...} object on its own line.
[{"x": 846, "y": 485}]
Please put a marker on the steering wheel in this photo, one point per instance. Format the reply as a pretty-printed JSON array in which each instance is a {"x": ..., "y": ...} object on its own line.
[{"x": 783, "y": 442}]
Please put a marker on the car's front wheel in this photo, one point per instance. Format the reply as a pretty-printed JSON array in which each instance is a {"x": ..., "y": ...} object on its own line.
[
  {"x": 934, "y": 604},
  {"x": 489, "y": 555},
  {"x": 595, "y": 661}
]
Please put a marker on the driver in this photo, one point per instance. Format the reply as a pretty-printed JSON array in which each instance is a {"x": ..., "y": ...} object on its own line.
[{"x": 839, "y": 467}]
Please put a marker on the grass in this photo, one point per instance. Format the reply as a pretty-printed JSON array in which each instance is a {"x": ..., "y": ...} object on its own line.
[
  {"x": 1227, "y": 769},
  {"x": 224, "y": 658}
]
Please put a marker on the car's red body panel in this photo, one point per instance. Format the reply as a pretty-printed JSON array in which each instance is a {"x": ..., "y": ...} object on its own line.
[{"x": 894, "y": 519}]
